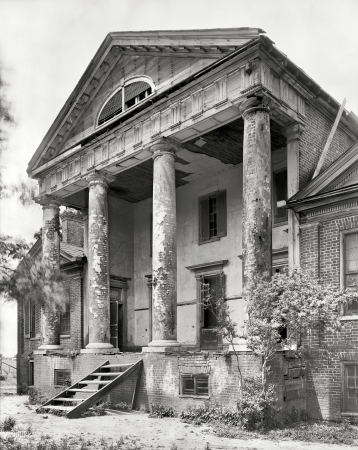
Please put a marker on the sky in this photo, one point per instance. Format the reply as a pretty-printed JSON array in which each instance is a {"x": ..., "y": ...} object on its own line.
[{"x": 46, "y": 45}]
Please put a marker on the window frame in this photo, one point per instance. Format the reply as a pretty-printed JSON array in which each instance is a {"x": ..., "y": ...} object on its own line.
[
  {"x": 194, "y": 376},
  {"x": 342, "y": 268},
  {"x": 221, "y": 224},
  {"x": 125, "y": 109},
  {"x": 66, "y": 331},
  {"x": 344, "y": 365},
  {"x": 64, "y": 372}
]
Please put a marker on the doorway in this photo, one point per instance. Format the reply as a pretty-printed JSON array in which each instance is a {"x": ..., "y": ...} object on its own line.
[
  {"x": 211, "y": 288},
  {"x": 116, "y": 318}
]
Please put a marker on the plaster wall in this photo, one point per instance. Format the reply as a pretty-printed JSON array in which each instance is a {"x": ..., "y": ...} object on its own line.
[{"x": 190, "y": 252}]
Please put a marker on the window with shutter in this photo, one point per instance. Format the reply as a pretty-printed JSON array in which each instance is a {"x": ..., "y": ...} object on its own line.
[
  {"x": 27, "y": 319},
  {"x": 350, "y": 388},
  {"x": 32, "y": 319},
  {"x": 37, "y": 320},
  {"x": 212, "y": 217},
  {"x": 62, "y": 377},
  {"x": 279, "y": 194},
  {"x": 65, "y": 317}
]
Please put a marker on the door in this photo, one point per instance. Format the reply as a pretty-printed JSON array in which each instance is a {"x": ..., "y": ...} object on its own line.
[
  {"x": 210, "y": 289},
  {"x": 116, "y": 319},
  {"x": 350, "y": 389}
]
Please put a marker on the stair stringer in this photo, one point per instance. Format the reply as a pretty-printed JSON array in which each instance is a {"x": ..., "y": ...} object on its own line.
[
  {"x": 105, "y": 390},
  {"x": 75, "y": 385}
]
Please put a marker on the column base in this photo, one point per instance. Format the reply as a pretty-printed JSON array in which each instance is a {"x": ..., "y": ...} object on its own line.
[{"x": 50, "y": 347}]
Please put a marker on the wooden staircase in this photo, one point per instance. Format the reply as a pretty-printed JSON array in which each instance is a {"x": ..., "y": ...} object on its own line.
[{"x": 79, "y": 397}]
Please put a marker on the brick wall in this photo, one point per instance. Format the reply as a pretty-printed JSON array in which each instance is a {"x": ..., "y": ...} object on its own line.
[
  {"x": 160, "y": 379},
  {"x": 321, "y": 247},
  {"x": 72, "y": 227},
  {"x": 313, "y": 140}
]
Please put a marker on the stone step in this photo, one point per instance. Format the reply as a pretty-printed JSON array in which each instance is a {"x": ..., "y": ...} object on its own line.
[
  {"x": 68, "y": 399},
  {"x": 59, "y": 407},
  {"x": 94, "y": 382},
  {"x": 118, "y": 365}
]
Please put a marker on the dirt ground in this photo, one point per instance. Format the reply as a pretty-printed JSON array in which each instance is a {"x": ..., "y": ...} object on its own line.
[{"x": 149, "y": 433}]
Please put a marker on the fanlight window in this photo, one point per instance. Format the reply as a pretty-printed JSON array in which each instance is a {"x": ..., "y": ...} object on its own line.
[{"x": 124, "y": 99}]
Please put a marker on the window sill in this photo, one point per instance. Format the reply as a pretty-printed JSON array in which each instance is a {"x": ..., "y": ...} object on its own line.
[
  {"x": 203, "y": 397},
  {"x": 352, "y": 317},
  {"x": 65, "y": 336},
  {"x": 347, "y": 414},
  {"x": 280, "y": 224},
  {"x": 34, "y": 338},
  {"x": 215, "y": 239}
]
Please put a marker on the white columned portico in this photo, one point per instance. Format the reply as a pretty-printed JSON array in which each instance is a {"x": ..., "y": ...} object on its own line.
[{"x": 164, "y": 263}]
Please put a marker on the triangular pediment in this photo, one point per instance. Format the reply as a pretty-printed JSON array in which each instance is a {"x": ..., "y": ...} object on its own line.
[
  {"x": 341, "y": 174},
  {"x": 166, "y": 57}
]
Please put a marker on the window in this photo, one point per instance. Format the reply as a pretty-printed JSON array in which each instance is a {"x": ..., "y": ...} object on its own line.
[
  {"x": 195, "y": 385},
  {"x": 279, "y": 194},
  {"x": 350, "y": 388},
  {"x": 125, "y": 98},
  {"x": 65, "y": 319},
  {"x": 32, "y": 319},
  {"x": 212, "y": 216},
  {"x": 62, "y": 377},
  {"x": 31, "y": 379},
  {"x": 350, "y": 266}
]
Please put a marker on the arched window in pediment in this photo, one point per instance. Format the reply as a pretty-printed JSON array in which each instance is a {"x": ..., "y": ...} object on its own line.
[{"x": 134, "y": 91}]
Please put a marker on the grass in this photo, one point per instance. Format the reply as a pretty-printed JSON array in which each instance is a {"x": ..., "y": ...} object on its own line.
[{"x": 323, "y": 432}]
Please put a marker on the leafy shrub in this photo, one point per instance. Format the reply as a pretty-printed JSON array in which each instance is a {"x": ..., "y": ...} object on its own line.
[
  {"x": 257, "y": 407},
  {"x": 8, "y": 424},
  {"x": 97, "y": 410},
  {"x": 121, "y": 406},
  {"x": 159, "y": 411},
  {"x": 2, "y": 377},
  {"x": 36, "y": 397}
]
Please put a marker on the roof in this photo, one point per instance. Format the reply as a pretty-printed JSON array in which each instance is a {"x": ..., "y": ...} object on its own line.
[
  {"x": 212, "y": 43},
  {"x": 71, "y": 250},
  {"x": 340, "y": 178}
]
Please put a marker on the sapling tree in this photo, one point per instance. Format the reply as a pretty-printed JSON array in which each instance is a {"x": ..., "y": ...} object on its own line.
[
  {"x": 226, "y": 327},
  {"x": 294, "y": 300}
]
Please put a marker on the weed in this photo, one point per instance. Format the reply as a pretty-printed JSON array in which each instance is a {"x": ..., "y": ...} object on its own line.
[
  {"x": 159, "y": 411},
  {"x": 97, "y": 410},
  {"x": 8, "y": 424},
  {"x": 122, "y": 406},
  {"x": 2, "y": 377}
]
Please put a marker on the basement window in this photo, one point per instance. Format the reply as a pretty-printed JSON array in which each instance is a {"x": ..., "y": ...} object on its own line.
[
  {"x": 133, "y": 92},
  {"x": 195, "y": 385},
  {"x": 62, "y": 377},
  {"x": 212, "y": 216}
]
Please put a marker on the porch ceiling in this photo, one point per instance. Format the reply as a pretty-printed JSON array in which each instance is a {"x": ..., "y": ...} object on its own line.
[{"x": 216, "y": 151}]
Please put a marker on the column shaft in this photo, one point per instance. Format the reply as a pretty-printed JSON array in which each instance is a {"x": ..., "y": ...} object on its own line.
[
  {"x": 98, "y": 270},
  {"x": 164, "y": 279},
  {"x": 257, "y": 209},
  {"x": 51, "y": 256}
]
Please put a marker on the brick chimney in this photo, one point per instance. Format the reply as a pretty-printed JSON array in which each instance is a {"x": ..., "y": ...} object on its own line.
[{"x": 72, "y": 227}]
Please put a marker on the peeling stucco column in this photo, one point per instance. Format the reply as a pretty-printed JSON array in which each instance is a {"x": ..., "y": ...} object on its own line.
[
  {"x": 164, "y": 275},
  {"x": 257, "y": 209},
  {"x": 50, "y": 255},
  {"x": 98, "y": 270}
]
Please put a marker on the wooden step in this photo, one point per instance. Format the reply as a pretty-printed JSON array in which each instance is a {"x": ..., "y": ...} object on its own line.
[
  {"x": 59, "y": 407},
  {"x": 106, "y": 374},
  {"x": 68, "y": 399},
  {"x": 116, "y": 365},
  {"x": 82, "y": 390},
  {"x": 94, "y": 382}
]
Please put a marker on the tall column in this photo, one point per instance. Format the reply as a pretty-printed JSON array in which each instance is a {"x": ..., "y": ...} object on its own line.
[
  {"x": 164, "y": 261},
  {"x": 98, "y": 270},
  {"x": 50, "y": 255},
  {"x": 293, "y": 133},
  {"x": 257, "y": 209}
]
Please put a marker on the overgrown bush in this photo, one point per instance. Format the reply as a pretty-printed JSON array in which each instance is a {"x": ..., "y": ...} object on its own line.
[
  {"x": 36, "y": 397},
  {"x": 121, "y": 406},
  {"x": 8, "y": 424},
  {"x": 256, "y": 409},
  {"x": 159, "y": 411},
  {"x": 97, "y": 410}
]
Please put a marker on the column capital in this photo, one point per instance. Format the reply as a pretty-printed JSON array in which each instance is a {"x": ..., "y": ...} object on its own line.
[
  {"x": 254, "y": 104},
  {"x": 98, "y": 177},
  {"x": 163, "y": 147},
  {"x": 47, "y": 201},
  {"x": 293, "y": 131}
]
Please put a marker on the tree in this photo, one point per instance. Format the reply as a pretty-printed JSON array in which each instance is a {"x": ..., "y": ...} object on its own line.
[
  {"x": 12, "y": 251},
  {"x": 293, "y": 300}
]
